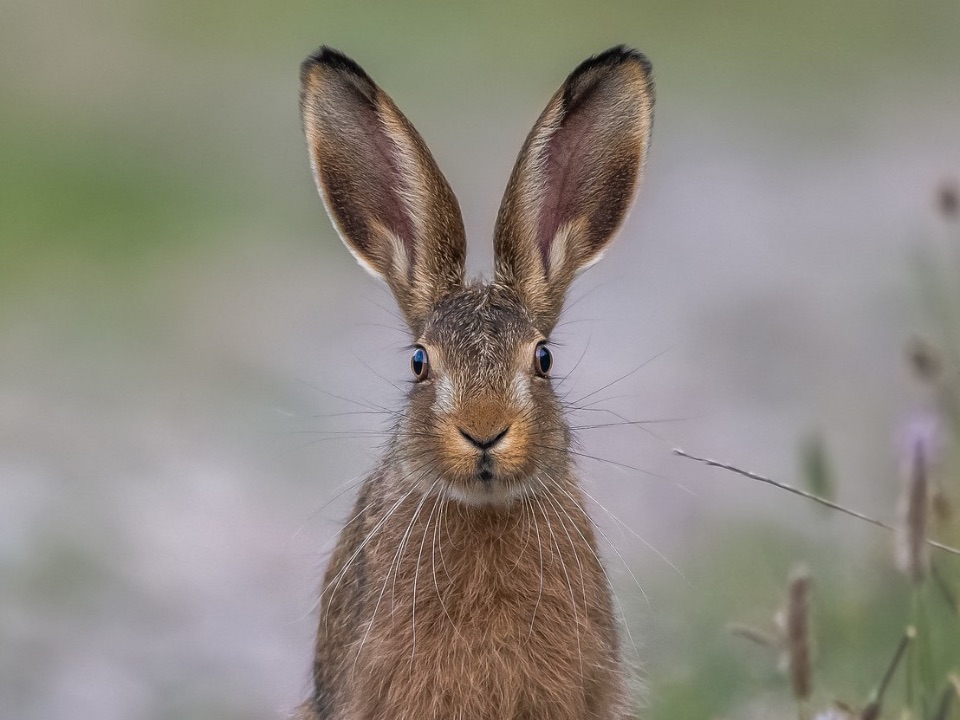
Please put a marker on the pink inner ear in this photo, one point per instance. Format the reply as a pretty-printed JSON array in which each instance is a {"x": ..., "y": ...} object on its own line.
[
  {"x": 565, "y": 174},
  {"x": 389, "y": 204},
  {"x": 368, "y": 183}
]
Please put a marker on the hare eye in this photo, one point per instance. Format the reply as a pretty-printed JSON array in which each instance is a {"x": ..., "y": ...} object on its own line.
[
  {"x": 420, "y": 364},
  {"x": 542, "y": 360}
]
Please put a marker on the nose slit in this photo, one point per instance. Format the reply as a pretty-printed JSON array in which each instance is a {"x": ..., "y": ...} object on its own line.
[{"x": 484, "y": 444}]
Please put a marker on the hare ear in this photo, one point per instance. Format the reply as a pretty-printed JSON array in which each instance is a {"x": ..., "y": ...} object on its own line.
[
  {"x": 575, "y": 179},
  {"x": 382, "y": 189}
]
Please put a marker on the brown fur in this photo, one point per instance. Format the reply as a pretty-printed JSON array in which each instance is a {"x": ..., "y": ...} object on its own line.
[{"x": 468, "y": 584}]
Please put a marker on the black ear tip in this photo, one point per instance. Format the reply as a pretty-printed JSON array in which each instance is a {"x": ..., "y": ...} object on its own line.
[
  {"x": 328, "y": 57},
  {"x": 614, "y": 57}
]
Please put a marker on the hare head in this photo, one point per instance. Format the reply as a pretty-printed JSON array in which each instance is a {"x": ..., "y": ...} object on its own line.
[{"x": 483, "y": 423}]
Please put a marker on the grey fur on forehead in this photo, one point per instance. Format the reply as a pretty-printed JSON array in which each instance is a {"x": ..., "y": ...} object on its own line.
[{"x": 480, "y": 318}]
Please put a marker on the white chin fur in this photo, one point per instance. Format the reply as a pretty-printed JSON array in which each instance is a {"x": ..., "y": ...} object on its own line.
[
  {"x": 480, "y": 494},
  {"x": 495, "y": 493}
]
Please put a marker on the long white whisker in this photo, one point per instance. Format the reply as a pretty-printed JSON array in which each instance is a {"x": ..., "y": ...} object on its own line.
[
  {"x": 638, "y": 537},
  {"x": 603, "y": 569},
  {"x": 536, "y": 526},
  {"x": 340, "y": 491},
  {"x": 394, "y": 568},
  {"x": 573, "y": 600},
  {"x": 336, "y": 581},
  {"x": 433, "y": 561},
  {"x": 573, "y": 548},
  {"x": 416, "y": 577}
]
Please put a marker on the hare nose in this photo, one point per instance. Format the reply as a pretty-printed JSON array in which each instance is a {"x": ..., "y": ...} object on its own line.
[{"x": 484, "y": 444}]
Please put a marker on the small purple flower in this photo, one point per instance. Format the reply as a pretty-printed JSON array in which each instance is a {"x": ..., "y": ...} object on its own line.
[
  {"x": 921, "y": 433},
  {"x": 922, "y": 446}
]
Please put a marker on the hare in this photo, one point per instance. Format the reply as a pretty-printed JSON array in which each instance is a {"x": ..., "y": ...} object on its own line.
[{"x": 467, "y": 583}]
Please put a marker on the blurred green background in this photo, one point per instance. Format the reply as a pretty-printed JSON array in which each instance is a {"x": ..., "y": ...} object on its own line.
[{"x": 180, "y": 329}]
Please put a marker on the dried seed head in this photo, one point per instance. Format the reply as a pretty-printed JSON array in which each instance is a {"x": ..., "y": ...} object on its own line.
[
  {"x": 948, "y": 199},
  {"x": 798, "y": 633},
  {"x": 913, "y": 553},
  {"x": 942, "y": 507},
  {"x": 924, "y": 360}
]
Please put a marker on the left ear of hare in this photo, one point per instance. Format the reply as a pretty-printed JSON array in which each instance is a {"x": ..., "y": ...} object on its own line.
[
  {"x": 575, "y": 179},
  {"x": 388, "y": 200}
]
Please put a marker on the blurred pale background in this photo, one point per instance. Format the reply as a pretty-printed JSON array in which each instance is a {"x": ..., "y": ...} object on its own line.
[{"x": 181, "y": 331}]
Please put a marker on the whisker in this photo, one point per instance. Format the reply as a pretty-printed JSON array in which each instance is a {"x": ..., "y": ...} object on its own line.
[
  {"x": 395, "y": 563},
  {"x": 349, "y": 413},
  {"x": 343, "y": 570},
  {"x": 600, "y": 563},
  {"x": 416, "y": 577},
  {"x": 573, "y": 600},
  {"x": 637, "y": 536},
  {"x": 586, "y": 347},
  {"x": 624, "y": 376},
  {"x": 625, "y": 421},
  {"x": 343, "y": 489},
  {"x": 433, "y": 560},
  {"x": 367, "y": 366},
  {"x": 336, "y": 581},
  {"x": 614, "y": 463},
  {"x": 536, "y": 526},
  {"x": 361, "y": 403},
  {"x": 573, "y": 547},
  {"x": 659, "y": 421}
]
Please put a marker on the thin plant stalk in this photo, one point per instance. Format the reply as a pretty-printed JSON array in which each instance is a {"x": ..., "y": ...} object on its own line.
[
  {"x": 947, "y": 697},
  {"x": 873, "y": 708},
  {"x": 805, "y": 494}
]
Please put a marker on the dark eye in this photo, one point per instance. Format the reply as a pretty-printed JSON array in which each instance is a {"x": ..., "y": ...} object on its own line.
[
  {"x": 542, "y": 360},
  {"x": 420, "y": 363}
]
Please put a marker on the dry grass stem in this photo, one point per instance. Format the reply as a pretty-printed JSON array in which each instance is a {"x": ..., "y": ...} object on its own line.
[
  {"x": 805, "y": 494},
  {"x": 754, "y": 635}
]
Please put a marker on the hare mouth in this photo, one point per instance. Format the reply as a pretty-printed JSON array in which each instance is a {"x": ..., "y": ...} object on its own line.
[
  {"x": 485, "y": 469},
  {"x": 487, "y": 484}
]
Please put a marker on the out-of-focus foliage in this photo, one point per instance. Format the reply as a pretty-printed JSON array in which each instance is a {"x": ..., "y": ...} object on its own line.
[{"x": 815, "y": 467}]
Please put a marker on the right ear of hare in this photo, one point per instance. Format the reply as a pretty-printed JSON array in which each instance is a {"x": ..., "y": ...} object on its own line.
[
  {"x": 388, "y": 200},
  {"x": 575, "y": 179}
]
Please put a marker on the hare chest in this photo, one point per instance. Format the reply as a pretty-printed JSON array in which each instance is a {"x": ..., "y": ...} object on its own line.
[{"x": 474, "y": 613}]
